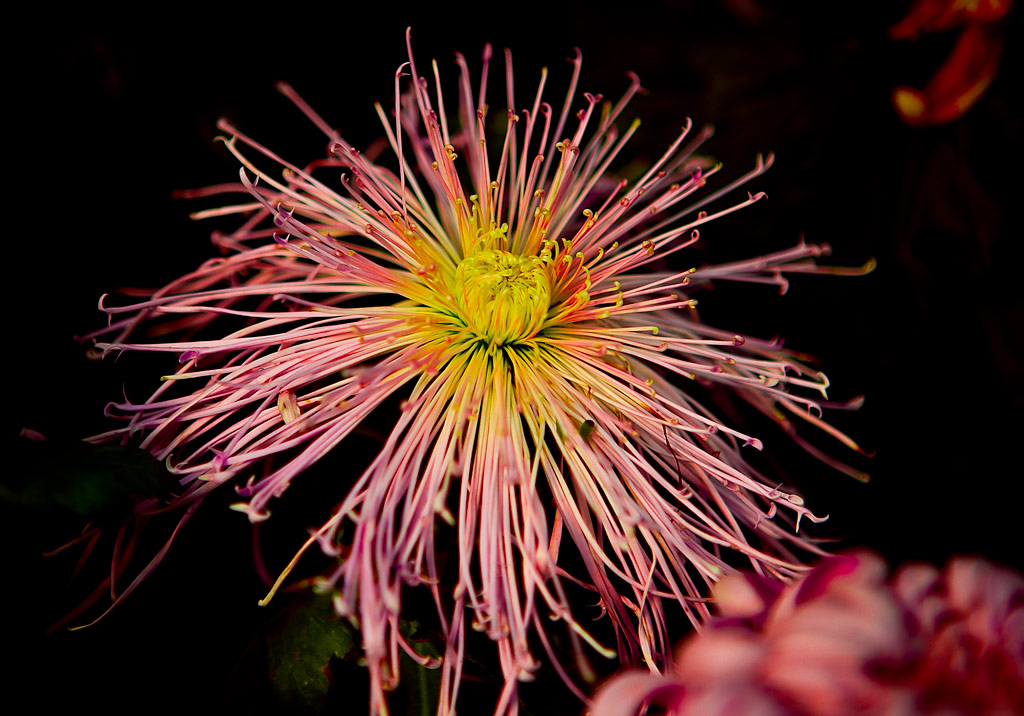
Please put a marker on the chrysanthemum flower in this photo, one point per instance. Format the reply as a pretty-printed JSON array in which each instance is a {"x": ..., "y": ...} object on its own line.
[
  {"x": 842, "y": 640},
  {"x": 508, "y": 295}
]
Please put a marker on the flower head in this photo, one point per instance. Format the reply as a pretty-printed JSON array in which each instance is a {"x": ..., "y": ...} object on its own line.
[
  {"x": 843, "y": 640},
  {"x": 510, "y": 297}
]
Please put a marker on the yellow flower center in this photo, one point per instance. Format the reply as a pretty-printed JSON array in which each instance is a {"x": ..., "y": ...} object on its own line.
[{"x": 504, "y": 297}]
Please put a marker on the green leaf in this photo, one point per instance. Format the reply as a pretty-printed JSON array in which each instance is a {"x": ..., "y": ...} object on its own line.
[
  {"x": 97, "y": 482},
  {"x": 300, "y": 648}
]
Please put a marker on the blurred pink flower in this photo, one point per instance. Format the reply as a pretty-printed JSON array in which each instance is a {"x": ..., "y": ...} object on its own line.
[
  {"x": 520, "y": 317},
  {"x": 842, "y": 640}
]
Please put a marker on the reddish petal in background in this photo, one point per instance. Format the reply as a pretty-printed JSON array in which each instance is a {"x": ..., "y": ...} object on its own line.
[
  {"x": 940, "y": 15},
  {"x": 959, "y": 83},
  {"x": 969, "y": 70}
]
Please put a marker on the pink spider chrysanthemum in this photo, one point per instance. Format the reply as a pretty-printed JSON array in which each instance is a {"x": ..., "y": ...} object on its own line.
[{"x": 508, "y": 295}]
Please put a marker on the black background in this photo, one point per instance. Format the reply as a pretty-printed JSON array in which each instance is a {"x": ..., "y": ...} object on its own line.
[{"x": 113, "y": 112}]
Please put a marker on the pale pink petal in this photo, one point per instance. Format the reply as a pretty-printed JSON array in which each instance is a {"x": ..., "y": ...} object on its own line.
[{"x": 627, "y": 693}]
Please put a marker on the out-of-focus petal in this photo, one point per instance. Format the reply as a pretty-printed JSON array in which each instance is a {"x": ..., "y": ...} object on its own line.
[
  {"x": 721, "y": 656},
  {"x": 742, "y": 596},
  {"x": 939, "y": 15},
  {"x": 861, "y": 568},
  {"x": 959, "y": 82},
  {"x": 974, "y": 585},
  {"x": 626, "y": 694},
  {"x": 718, "y": 701}
]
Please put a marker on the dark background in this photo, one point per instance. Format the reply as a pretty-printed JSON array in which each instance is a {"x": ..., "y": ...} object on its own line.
[{"x": 112, "y": 113}]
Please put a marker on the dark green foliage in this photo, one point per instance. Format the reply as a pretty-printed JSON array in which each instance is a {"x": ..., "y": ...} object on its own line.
[
  {"x": 300, "y": 647},
  {"x": 96, "y": 482}
]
